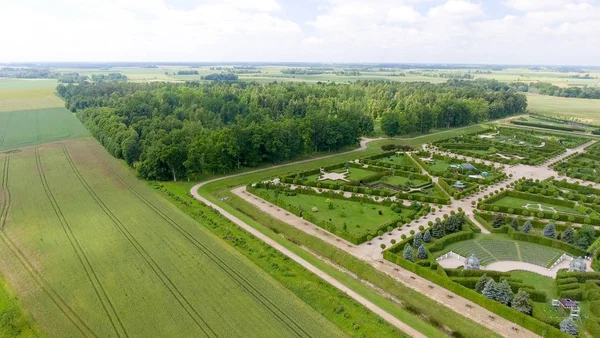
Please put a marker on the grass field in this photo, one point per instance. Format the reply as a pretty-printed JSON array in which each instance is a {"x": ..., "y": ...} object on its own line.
[
  {"x": 33, "y": 127},
  {"x": 22, "y": 94},
  {"x": 80, "y": 246},
  {"x": 489, "y": 250},
  {"x": 585, "y": 110}
]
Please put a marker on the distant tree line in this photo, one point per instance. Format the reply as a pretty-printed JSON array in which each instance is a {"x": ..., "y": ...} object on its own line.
[
  {"x": 110, "y": 77},
  {"x": 169, "y": 131},
  {"x": 546, "y": 88},
  {"x": 304, "y": 71},
  {"x": 220, "y": 77},
  {"x": 188, "y": 72},
  {"x": 28, "y": 73}
]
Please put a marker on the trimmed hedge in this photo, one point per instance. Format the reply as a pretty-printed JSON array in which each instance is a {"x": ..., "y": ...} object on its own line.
[
  {"x": 536, "y": 295},
  {"x": 575, "y": 294},
  {"x": 513, "y": 315},
  {"x": 545, "y": 126}
]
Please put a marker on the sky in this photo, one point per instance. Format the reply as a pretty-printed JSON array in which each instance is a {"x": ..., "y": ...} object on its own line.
[{"x": 553, "y": 32}]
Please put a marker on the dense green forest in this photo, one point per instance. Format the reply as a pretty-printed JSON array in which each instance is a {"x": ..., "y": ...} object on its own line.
[
  {"x": 546, "y": 88},
  {"x": 169, "y": 131}
]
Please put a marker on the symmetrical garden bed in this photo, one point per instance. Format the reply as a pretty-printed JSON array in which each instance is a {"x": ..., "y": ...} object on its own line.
[
  {"x": 514, "y": 245},
  {"x": 457, "y": 177},
  {"x": 356, "y": 219},
  {"x": 512, "y": 145},
  {"x": 372, "y": 180},
  {"x": 585, "y": 166}
]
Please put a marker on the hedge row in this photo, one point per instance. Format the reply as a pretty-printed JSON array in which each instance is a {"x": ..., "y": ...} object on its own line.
[
  {"x": 545, "y": 126},
  {"x": 531, "y": 238},
  {"x": 536, "y": 295},
  {"x": 513, "y": 315},
  {"x": 581, "y": 277}
]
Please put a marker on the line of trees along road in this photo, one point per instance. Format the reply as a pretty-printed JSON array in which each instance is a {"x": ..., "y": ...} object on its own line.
[{"x": 167, "y": 131}]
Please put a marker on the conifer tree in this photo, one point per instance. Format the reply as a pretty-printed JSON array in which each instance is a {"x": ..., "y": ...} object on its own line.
[{"x": 408, "y": 253}]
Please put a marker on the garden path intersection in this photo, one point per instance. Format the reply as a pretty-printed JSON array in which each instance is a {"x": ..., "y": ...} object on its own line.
[{"x": 372, "y": 254}]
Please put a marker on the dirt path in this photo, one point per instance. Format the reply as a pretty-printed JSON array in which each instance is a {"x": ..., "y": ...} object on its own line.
[
  {"x": 372, "y": 255},
  {"x": 368, "y": 304},
  {"x": 440, "y": 295}
]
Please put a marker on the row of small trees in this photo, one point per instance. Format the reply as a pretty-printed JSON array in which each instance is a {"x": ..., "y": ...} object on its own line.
[{"x": 583, "y": 238}]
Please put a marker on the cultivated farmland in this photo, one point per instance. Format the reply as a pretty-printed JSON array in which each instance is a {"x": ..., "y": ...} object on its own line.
[
  {"x": 32, "y": 127},
  {"x": 22, "y": 94},
  {"x": 80, "y": 245}
]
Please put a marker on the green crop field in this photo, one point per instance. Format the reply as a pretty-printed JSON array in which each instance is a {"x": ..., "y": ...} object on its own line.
[
  {"x": 585, "y": 110},
  {"x": 22, "y": 94},
  {"x": 92, "y": 251},
  {"x": 489, "y": 250},
  {"x": 32, "y": 127}
]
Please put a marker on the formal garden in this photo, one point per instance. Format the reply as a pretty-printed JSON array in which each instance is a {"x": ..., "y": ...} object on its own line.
[
  {"x": 355, "y": 218},
  {"x": 541, "y": 203},
  {"x": 370, "y": 180},
  {"x": 511, "y": 145},
  {"x": 459, "y": 178},
  {"x": 585, "y": 166},
  {"x": 523, "y": 297}
]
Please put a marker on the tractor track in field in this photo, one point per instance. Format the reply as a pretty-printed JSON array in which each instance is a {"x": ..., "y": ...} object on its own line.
[
  {"x": 101, "y": 293},
  {"x": 37, "y": 277},
  {"x": 37, "y": 125},
  {"x": 162, "y": 276},
  {"x": 224, "y": 266},
  {"x": 6, "y": 124}
]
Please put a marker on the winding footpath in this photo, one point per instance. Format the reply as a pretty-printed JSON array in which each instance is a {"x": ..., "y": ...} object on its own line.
[{"x": 442, "y": 296}]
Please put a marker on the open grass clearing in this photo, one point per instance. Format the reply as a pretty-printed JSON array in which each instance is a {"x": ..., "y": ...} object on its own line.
[
  {"x": 33, "y": 127},
  {"x": 98, "y": 228}
]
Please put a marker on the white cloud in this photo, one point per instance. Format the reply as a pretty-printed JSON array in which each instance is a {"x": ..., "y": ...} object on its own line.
[
  {"x": 141, "y": 30},
  {"x": 403, "y": 14},
  {"x": 446, "y": 31},
  {"x": 456, "y": 8},
  {"x": 313, "y": 40}
]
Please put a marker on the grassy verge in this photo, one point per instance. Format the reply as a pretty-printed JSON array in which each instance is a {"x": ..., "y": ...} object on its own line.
[
  {"x": 14, "y": 321},
  {"x": 337, "y": 307},
  {"x": 412, "y": 302}
]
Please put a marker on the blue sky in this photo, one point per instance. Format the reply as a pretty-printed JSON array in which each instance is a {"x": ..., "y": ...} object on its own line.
[{"x": 429, "y": 31}]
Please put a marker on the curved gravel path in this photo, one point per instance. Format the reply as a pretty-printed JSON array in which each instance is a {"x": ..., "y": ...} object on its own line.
[{"x": 442, "y": 296}]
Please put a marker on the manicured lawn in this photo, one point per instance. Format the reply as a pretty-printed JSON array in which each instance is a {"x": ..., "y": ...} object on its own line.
[
  {"x": 515, "y": 202},
  {"x": 355, "y": 174},
  {"x": 358, "y": 217},
  {"x": 401, "y": 180},
  {"x": 398, "y": 160},
  {"x": 492, "y": 248},
  {"x": 541, "y": 283}
]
